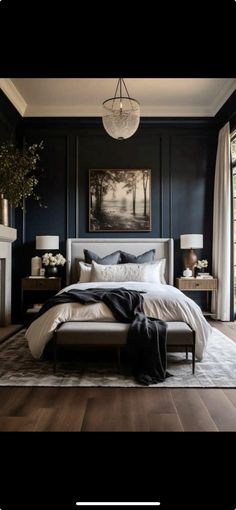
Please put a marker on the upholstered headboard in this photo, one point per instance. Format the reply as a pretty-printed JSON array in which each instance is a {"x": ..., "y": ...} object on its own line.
[{"x": 164, "y": 249}]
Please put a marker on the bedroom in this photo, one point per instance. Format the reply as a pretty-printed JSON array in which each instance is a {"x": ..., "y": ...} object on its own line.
[{"x": 175, "y": 144}]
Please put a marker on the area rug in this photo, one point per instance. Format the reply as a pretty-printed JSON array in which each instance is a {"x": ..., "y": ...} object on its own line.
[{"x": 18, "y": 368}]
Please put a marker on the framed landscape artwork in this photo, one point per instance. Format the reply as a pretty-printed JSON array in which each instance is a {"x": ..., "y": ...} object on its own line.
[{"x": 120, "y": 200}]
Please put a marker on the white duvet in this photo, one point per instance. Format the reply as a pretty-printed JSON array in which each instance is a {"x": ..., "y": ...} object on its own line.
[{"x": 160, "y": 301}]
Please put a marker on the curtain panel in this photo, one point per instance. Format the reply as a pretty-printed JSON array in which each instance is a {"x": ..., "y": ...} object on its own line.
[{"x": 221, "y": 250}]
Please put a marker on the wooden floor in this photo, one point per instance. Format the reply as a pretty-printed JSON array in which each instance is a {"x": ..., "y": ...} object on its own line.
[
  {"x": 120, "y": 409},
  {"x": 7, "y": 331}
]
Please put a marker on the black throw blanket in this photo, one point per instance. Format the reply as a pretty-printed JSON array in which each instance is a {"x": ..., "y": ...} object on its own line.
[{"x": 146, "y": 340}]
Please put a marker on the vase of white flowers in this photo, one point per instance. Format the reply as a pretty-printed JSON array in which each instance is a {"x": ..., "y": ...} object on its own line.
[
  {"x": 201, "y": 265},
  {"x": 52, "y": 263}
]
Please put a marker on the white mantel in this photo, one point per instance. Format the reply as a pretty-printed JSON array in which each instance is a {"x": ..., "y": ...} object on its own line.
[{"x": 7, "y": 236}]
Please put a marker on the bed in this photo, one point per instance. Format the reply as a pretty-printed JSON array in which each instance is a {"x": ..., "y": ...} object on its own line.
[{"x": 162, "y": 301}]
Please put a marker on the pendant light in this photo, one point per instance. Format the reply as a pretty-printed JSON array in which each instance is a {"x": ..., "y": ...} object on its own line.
[{"x": 121, "y": 113}]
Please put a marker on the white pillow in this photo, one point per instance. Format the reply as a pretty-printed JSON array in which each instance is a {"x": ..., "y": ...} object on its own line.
[
  {"x": 127, "y": 272},
  {"x": 155, "y": 271},
  {"x": 84, "y": 272},
  {"x": 162, "y": 270}
]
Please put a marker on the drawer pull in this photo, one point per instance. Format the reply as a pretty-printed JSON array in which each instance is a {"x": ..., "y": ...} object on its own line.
[{"x": 197, "y": 284}]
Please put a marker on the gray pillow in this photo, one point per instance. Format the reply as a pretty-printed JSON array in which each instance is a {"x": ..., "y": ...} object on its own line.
[
  {"x": 126, "y": 258},
  {"x": 113, "y": 258}
]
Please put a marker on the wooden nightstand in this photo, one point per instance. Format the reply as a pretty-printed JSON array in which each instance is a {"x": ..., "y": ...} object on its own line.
[
  {"x": 44, "y": 287},
  {"x": 198, "y": 285}
]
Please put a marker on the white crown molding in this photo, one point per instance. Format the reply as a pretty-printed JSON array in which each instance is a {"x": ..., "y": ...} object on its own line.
[
  {"x": 223, "y": 95},
  {"x": 175, "y": 111},
  {"x": 27, "y": 110},
  {"x": 13, "y": 95},
  {"x": 63, "y": 111},
  {"x": 96, "y": 111}
]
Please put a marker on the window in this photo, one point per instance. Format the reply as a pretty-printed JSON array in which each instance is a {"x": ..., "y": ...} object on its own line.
[{"x": 233, "y": 154}]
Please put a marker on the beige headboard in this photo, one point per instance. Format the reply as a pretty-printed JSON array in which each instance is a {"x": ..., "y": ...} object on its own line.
[{"x": 164, "y": 249}]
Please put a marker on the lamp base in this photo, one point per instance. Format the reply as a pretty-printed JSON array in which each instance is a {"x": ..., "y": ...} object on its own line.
[{"x": 190, "y": 259}]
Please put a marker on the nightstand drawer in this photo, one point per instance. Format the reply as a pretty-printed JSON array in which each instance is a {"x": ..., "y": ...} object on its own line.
[
  {"x": 198, "y": 284},
  {"x": 41, "y": 283}
]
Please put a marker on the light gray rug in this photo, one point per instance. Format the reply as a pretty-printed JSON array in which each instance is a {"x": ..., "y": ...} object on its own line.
[{"x": 18, "y": 368}]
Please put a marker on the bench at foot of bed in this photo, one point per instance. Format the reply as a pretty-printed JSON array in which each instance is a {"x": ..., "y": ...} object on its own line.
[{"x": 180, "y": 337}]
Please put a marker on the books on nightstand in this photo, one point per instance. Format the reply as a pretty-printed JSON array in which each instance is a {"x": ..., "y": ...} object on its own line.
[{"x": 204, "y": 276}]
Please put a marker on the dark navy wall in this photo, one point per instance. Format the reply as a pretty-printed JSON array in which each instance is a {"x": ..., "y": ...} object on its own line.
[
  {"x": 98, "y": 150},
  {"x": 180, "y": 153},
  {"x": 9, "y": 119}
]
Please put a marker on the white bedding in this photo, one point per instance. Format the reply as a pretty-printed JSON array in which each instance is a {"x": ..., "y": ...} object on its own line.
[{"x": 160, "y": 301}]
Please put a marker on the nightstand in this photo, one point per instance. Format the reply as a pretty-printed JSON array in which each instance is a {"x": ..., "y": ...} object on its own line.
[
  {"x": 198, "y": 285},
  {"x": 44, "y": 287}
]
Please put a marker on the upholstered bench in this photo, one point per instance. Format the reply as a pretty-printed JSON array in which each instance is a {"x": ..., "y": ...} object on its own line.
[{"x": 180, "y": 337}]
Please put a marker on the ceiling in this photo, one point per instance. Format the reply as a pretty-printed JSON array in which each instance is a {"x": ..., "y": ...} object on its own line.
[{"x": 83, "y": 97}]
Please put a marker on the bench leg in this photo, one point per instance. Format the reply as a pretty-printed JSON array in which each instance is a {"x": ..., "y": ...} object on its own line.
[
  {"x": 118, "y": 358},
  {"x": 187, "y": 353}
]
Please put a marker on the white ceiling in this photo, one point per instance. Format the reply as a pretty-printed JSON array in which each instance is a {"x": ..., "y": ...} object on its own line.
[{"x": 83, "y": 97}]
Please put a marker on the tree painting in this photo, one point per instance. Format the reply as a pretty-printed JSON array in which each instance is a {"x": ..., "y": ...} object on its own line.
[{"x": 120, "y": 200}]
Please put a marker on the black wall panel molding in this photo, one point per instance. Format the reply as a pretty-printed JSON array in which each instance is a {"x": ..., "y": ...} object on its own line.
[
  {"x": 180, "y": 153},
  {"x": 176, "y": 154},
  {"x": 9, "y": 119}
]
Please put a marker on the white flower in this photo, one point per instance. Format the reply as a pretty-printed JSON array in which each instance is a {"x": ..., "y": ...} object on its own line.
[
  {"x": 49, "y": 259},
  {"x": 202, "y": 263}
]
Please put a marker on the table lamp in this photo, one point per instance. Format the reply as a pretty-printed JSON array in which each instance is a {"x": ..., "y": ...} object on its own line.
[
  {"x": 43, "y": 243},
  {"x": 188, "y": 242}
]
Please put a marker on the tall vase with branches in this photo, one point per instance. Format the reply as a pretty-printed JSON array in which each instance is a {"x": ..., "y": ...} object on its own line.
[{"x": 19, "y": 173}]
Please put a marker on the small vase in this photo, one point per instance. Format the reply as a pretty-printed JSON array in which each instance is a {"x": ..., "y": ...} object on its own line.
[
  {"x": 51, "y": 271},
  {"x": 187, "y": 273}
]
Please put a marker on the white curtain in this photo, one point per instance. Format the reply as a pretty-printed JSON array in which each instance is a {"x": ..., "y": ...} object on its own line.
[{"x": 221, "y": 251}]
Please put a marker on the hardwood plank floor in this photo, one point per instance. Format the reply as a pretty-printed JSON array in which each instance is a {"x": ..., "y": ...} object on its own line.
[
  {"x": 120, "y": 409},
  {"x": 7, "y": 331},
  {"x": 220, "y": 408},
  {"x": 192, "y": 411}
]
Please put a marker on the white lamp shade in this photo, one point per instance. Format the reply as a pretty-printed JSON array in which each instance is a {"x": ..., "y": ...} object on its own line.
[
  {"x": 47, "y": 242},
  {"x": 188, "y": 241}
]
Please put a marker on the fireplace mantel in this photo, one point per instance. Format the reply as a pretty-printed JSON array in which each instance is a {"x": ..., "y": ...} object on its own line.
[{"x": 7, "y": 236}]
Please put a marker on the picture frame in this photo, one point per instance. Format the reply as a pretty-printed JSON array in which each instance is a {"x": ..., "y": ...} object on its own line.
[{"x": 120, "y": 200}]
